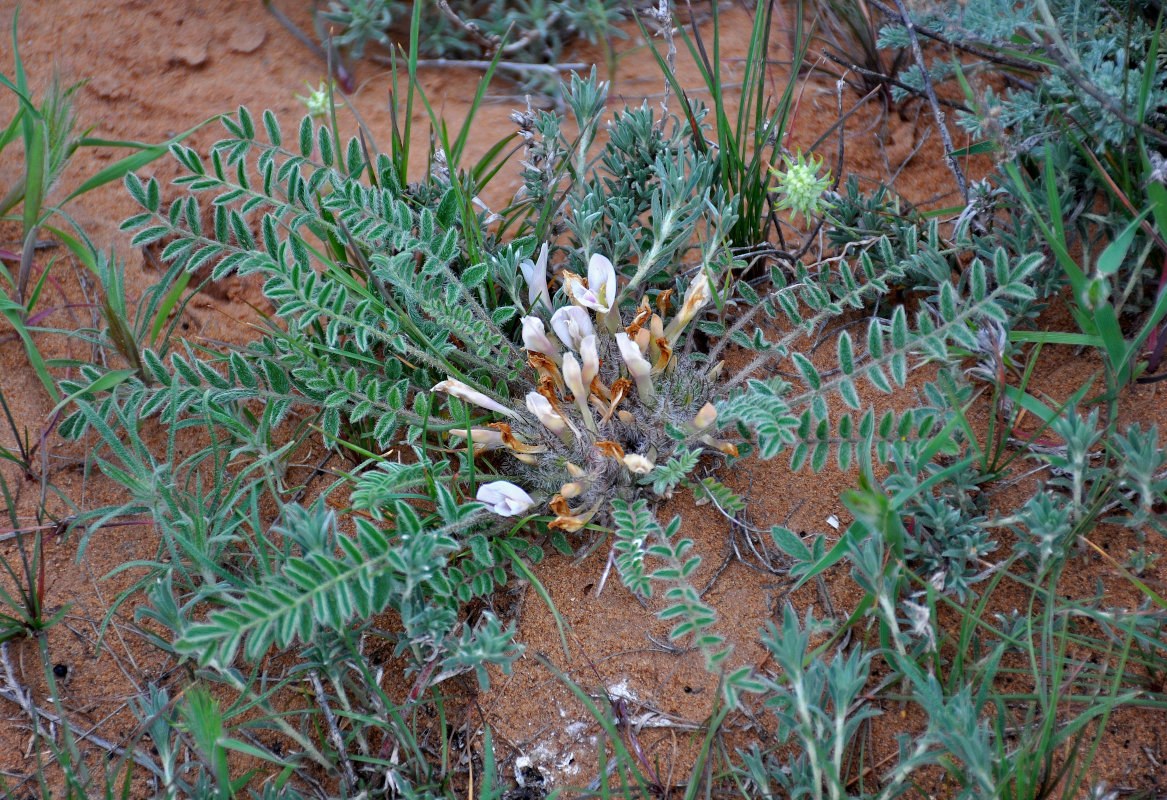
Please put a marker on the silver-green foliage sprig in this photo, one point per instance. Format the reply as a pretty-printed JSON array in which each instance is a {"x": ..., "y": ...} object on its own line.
[{"x": 780, "y": 418}]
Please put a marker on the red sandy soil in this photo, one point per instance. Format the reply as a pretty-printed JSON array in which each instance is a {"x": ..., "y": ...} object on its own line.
[{"x": 158, "y": 68}]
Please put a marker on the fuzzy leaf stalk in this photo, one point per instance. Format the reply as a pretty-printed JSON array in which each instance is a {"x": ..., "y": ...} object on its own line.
[{"x": 610, "y": 397}]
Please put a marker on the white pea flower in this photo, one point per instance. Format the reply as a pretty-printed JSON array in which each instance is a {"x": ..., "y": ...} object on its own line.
[
  {"x": 484, "y": 438},
  {"x": 638, "y": 367},
  {"x": 535, "y": 338},
  {"x": 504, "y": 498},
  {"x": 470, "y": 395},
  {"x": 600, "y": 292},
  {"x": 571, "y": 324},
  {"x": 535, "y": 274},
  {"x": 638, "y": 465},
  {"x": 644, "y": 339},
  {"x": 572, "y": 490},
  {"x": 541, "y": 408},
  {"x": 696, "y": 298},
  {"x": 573, "y": 377}
]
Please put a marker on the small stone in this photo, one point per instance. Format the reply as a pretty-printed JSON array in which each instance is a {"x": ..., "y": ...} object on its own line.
[
  {"x": 193, "y": 54},
  {"x": 193, "y": 40},
  {"x": 108, "y": 87},
  {"x": 246, "y": 38}
]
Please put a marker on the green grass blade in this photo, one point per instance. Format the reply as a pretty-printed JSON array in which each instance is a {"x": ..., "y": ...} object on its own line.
[
  {"x": 1056, "y": 337},
  {"x": 167, "y": 304},
  {"x": 13, "y": 129},
  {"x": 14, "y": 313},
  {"x": 36, "y": 147},
  {"x": 103, "y": 384},
  {"x": 119, "y": 169}
]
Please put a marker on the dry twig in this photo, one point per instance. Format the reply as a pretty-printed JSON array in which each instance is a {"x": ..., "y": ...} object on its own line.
[{"x": 930, "y": 93}]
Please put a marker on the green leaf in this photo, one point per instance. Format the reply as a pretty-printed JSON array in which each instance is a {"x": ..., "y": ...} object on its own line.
[
  {"x": 272, "y": 126},
  {"x": 475, "y": 275},
  {"x": 846, "y": 353},
  {"x": 447, "y": 211},
  {"x": 35, "y": 174},
  {"x": 790, "y": 543},
  {"x": 808, "y": 371},
  {"x": 500, "y": 316},
  {"x": 306, "y": 137},
  {"x": 974, "y": 150},
  {"x": 1115, "y": 252}
]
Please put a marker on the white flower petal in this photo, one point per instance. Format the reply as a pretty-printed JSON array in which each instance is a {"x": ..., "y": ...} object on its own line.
[
  {"x": 573, "y": 376},
  {"x": 535, "y": 274},
  {"x": 602, "y": 281},
  {"x": 535, "y": 338},
  {"x": 484, "y": 438},
  {"x": 504, "y": 498},
  {"x": 697, "y": 296},
  {"x": 638, "y": 465},
  {"x": 571, "y": 324},
  {"x": 541, "y": 408},
  {"x": 591, "y": 359},
  {"x": 637, "y": 364},
  {"x": 470, "y": 395}
]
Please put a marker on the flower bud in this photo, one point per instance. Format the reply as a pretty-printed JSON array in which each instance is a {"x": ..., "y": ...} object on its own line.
[
  {"x": 696, "y": 298},
  {"x": 535, "y": 338},
  {"x": 535, "y": 274},
  {"x": 571, "y": 490},
  {"x": 573, "y": 377},
  {"x": 638, "y": 367},
  {"x": 463, "y": 392},
  {"x": 484, "y": 438},
  {"x": 656, "y": 329},
  {"x": 705, "y": 417},
  {"x": 720, "y": 445},
  {"x": 643, "y": 338},
  {"x": 540, "y": 407},
  {"x": 591, "y": 359}
]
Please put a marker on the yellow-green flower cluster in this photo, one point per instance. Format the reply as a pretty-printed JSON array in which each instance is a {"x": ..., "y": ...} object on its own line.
[{"x": 800, "y": 188}]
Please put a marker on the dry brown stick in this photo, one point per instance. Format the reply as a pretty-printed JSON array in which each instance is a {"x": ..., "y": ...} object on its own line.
[
  {"x": 930, "y": 93},
  {"x": 890, "y": 81},
  {"x": 16, "y": 693},
  {"x": 488, "y": 41},
  {"x": 350, "y": 775},
  {"x": 979, "y": 52},
  {"x": 664, "y": 17}
]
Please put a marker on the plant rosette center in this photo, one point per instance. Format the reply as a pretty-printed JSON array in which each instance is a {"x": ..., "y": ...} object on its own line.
[{"x": 609, "y": 399}]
